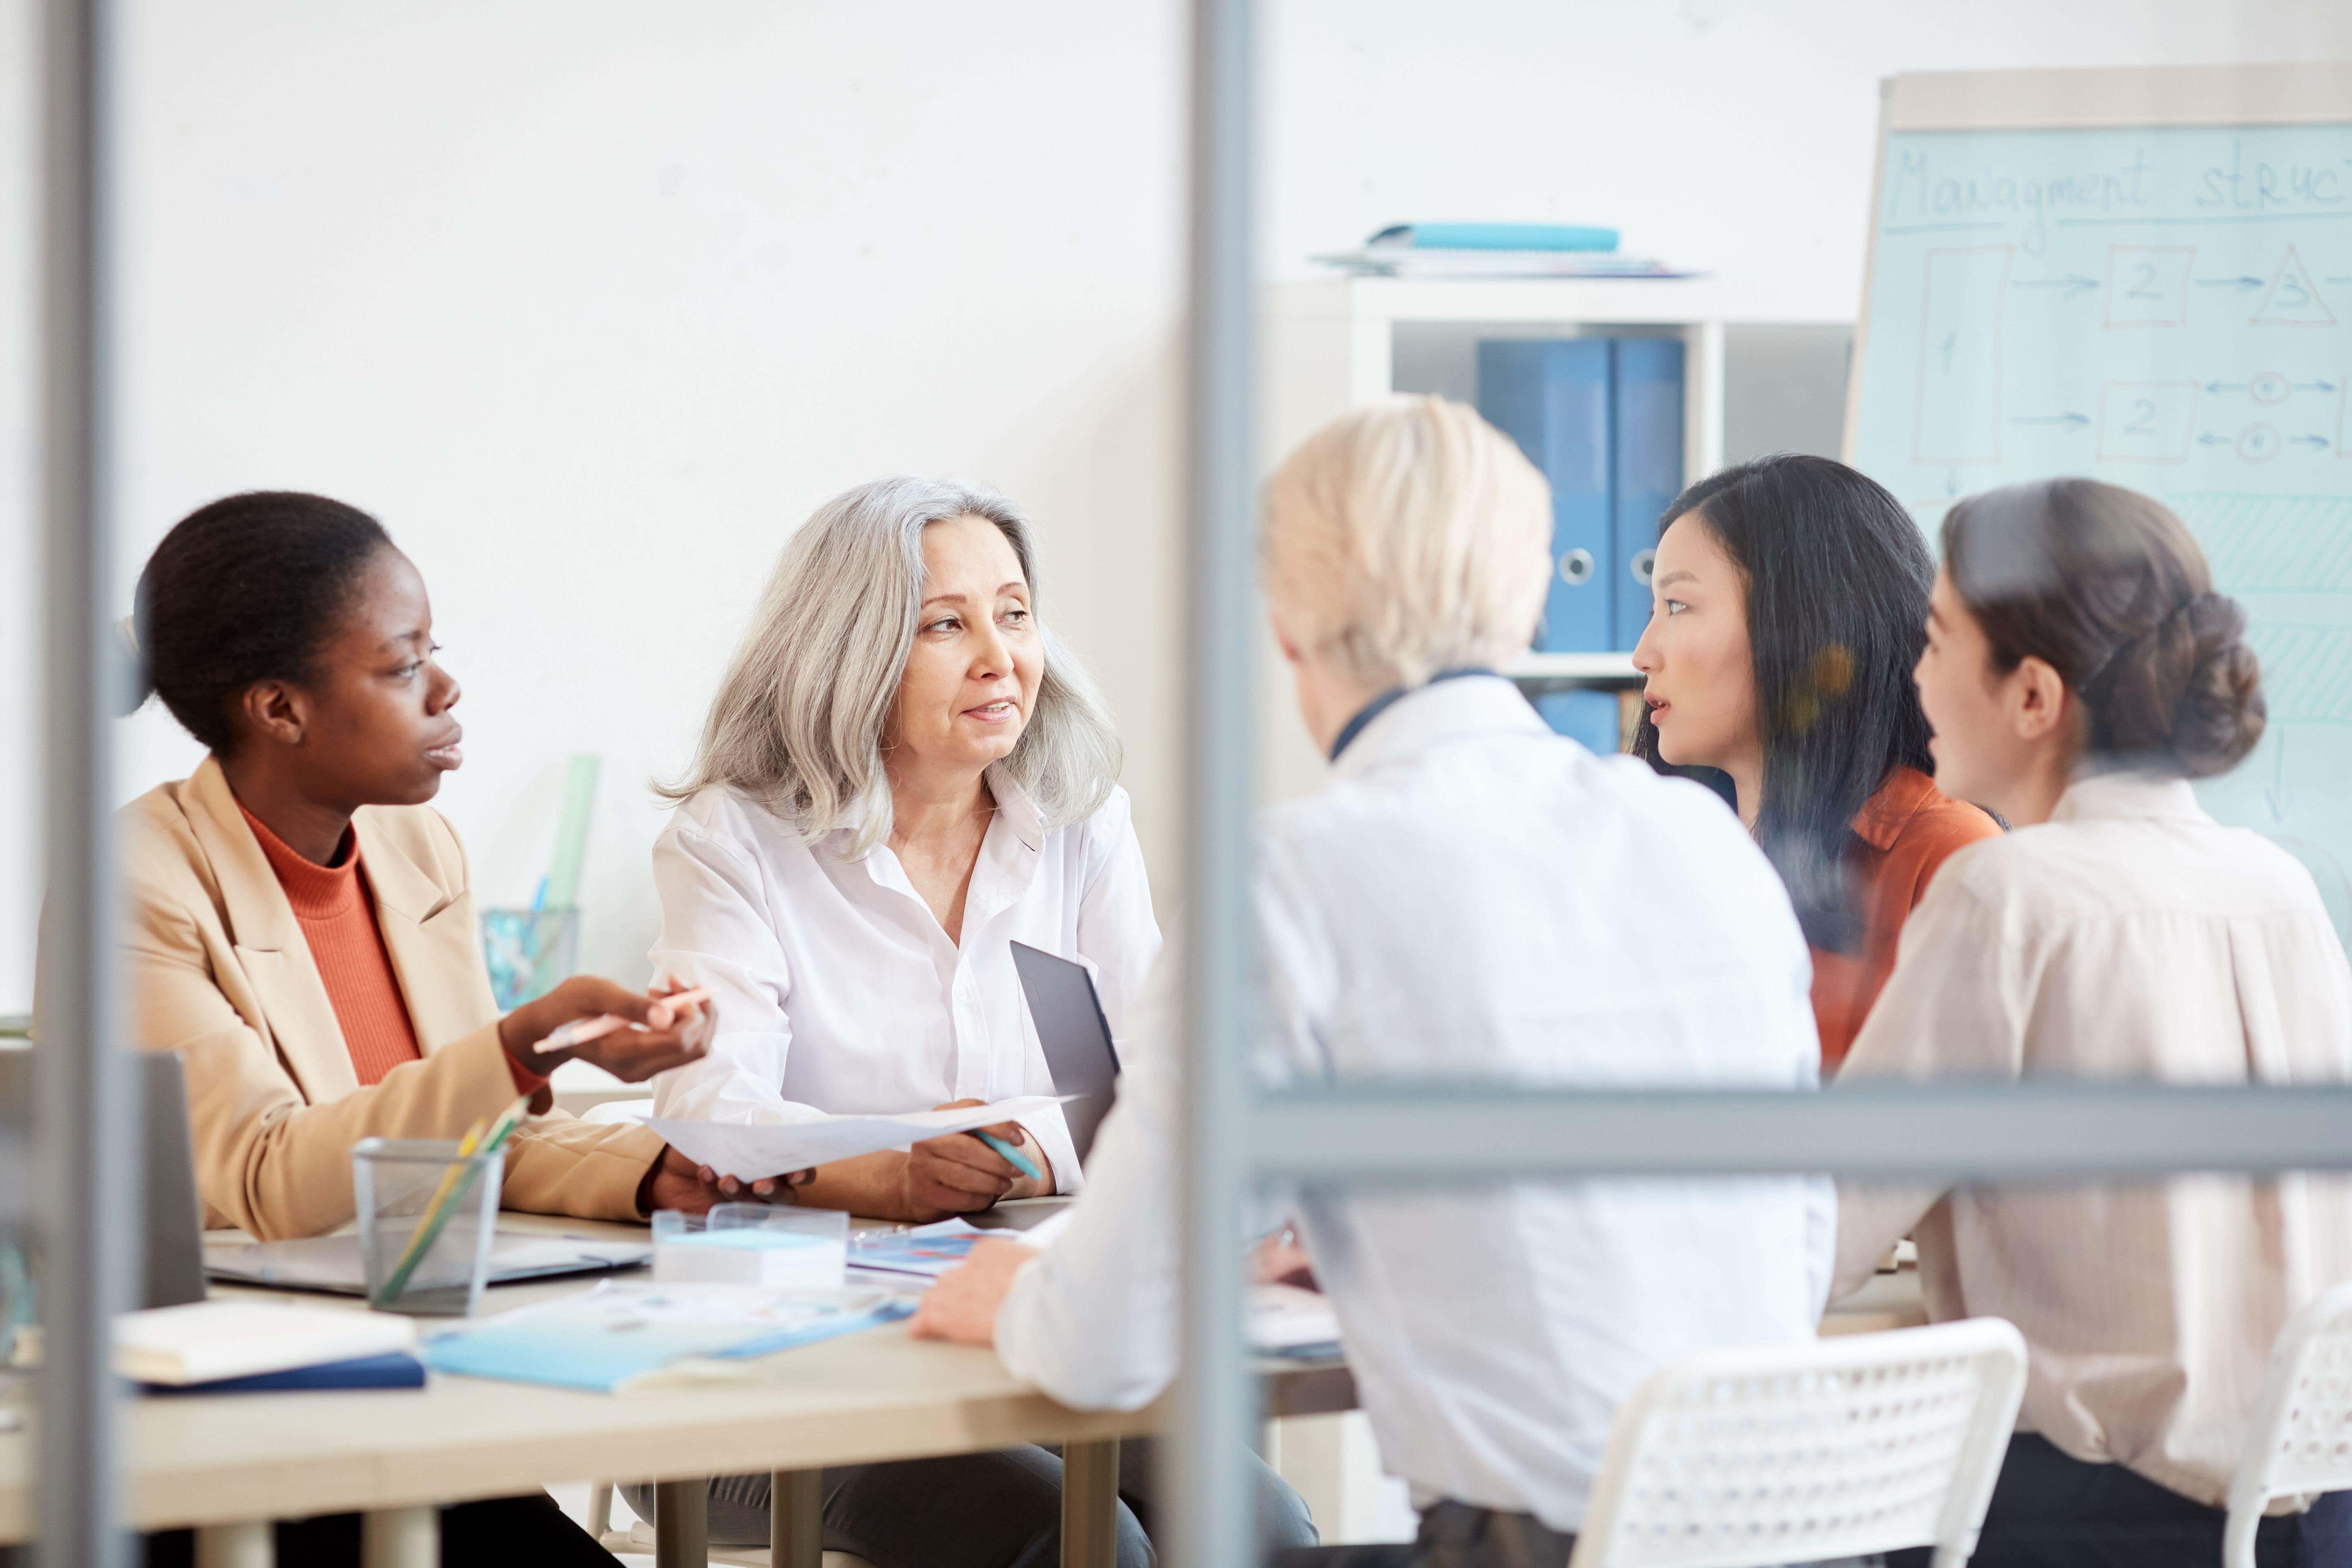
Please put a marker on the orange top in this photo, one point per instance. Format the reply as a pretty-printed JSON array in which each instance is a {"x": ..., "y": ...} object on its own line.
[
  {"x": 1906, "y": 830},
  {"x": 336, "y": 910}
]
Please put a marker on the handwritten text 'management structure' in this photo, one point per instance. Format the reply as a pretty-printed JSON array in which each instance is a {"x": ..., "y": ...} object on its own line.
[{"x": 1930, "y": 188}]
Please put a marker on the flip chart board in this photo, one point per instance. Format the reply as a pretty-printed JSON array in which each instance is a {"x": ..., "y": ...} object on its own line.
[{"x": 2145, "y": 277}]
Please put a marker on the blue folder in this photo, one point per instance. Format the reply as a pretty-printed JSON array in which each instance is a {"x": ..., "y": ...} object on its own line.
[
  {"x": 1589, "y": 718},
  {"x": 1648, "y": 470},
  {"x": 1552, "y": 397},
  {"x": 1497, "y": 236},
  {"x": 393, "y": 1370}
]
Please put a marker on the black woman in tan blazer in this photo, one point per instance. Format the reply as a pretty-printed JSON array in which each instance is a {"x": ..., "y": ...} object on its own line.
[{"x": 300, "y": 926}]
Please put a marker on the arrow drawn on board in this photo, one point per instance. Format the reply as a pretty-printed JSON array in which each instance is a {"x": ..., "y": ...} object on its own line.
[
  {"x": 2318, "y": 386},
  {"x": 2225, "y": 386},
  {"x": 2071, "y": 421},
  {"x": 2074, "y": 284},
  {"x": 2322, "y": 442},
  {"x": 2209, "y": 439},
  {"x": 2240, "y": 282}
]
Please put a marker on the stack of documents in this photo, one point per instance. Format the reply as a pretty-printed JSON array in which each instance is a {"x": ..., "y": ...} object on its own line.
[
  {"x": 1495, "y": 250},
  {"x": 621, "y": 1337}
]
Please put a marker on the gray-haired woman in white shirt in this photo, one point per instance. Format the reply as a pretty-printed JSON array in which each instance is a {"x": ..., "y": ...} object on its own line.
[
  {"x": 902, "y": 774},
  {"x": 2080, "y": 671}
]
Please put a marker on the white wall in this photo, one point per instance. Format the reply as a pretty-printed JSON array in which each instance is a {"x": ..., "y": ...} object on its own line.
[{"x": 592, "y": 302}]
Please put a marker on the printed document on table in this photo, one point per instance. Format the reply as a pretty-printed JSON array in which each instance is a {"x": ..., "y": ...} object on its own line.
[
  {"x": 621, "y": 1337},
  {"x": 749, "y": 1152}
]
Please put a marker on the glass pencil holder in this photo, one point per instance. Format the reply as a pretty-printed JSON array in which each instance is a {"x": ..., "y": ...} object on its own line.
[{"x": 428, "y": 1216}]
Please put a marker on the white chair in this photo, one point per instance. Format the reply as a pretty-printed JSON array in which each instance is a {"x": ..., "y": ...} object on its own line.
[
  {"x": 1838, "y": 1447},
  {"x": 2301, "y": 1438}
]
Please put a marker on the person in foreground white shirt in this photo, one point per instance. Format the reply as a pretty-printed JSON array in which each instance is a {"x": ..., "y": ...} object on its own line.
[
  {"x": 902, "y": 774},
  {"x": 1471, "y": 896},
  {"x": 2079, "y": 671}
]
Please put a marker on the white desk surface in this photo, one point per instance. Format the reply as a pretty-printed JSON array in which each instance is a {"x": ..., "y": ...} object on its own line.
[{"x": 876, "y": 1395}]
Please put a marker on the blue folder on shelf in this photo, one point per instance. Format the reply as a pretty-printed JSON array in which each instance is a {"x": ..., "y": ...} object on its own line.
[
  {"x": 1647, "y": 471},
  {"x": 1589, "y": 718},
  {"x": 1496, "y": 237},
  {"x": 1552, "y": 397}
]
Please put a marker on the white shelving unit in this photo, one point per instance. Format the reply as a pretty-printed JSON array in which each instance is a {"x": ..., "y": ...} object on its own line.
[
  {"x": 1336, "y": 342},
  {"x": 1575, "y": 668}
]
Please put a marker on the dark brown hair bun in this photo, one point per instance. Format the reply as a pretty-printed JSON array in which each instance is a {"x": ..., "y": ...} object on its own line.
[{"x": 2109, "y": 589}]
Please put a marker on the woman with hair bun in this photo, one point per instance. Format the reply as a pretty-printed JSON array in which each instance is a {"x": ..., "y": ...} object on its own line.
[{"x": 2080, "y": 671}]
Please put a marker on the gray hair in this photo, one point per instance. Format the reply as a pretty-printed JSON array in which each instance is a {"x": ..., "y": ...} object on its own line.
[{"x": 798, "y": 722}]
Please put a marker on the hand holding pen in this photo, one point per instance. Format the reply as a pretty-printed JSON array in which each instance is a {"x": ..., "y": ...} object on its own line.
[{"x": 633, "y": 1034}]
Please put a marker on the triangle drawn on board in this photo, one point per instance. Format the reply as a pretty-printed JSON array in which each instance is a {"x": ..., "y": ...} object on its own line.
[{"x": 2293, "y": 299}]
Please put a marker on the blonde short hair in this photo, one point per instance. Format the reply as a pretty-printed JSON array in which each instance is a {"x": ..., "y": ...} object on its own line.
[
  {"x": 798, "y": 722},
  {"x": 1408, "y": 537}
]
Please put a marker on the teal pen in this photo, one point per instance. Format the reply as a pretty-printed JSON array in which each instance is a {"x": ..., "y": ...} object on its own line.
[{"x": 1021, "y": 1162}]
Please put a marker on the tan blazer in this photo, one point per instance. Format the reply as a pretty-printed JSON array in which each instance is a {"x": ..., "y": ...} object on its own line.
[{"x": 221, "y": 971}]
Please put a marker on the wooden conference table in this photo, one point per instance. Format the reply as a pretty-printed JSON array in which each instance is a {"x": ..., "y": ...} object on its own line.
[{"x": 228, "y": 1464}]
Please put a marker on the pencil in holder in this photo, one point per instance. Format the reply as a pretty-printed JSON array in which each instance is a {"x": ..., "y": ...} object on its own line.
[{"x": 427, "y": 1216}]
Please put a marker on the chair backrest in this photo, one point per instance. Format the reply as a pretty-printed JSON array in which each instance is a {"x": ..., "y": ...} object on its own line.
[
  {"x": 1834, "y": 1447},
  {"x": 2301, "y": 1437}
]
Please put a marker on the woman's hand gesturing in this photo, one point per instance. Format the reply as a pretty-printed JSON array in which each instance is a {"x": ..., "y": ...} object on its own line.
[{"x": 654, "y": 1035}]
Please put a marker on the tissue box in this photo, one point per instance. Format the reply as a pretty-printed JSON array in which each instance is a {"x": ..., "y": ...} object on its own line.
[{"x": 749, "y": 1255}]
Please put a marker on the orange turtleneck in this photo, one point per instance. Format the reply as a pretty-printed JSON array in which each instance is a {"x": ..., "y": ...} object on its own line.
[{"x": 336, "y": 908}]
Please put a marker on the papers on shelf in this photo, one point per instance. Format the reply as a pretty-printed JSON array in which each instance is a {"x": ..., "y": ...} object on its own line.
[
  {"x": 1382, "y": 261},
  {"x": 620, "y": 1337},
  {"x": 749, "y": 1152}
]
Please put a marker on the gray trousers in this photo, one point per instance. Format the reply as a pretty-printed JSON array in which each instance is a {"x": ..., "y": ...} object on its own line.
[{"x": 975, "y": 1510}]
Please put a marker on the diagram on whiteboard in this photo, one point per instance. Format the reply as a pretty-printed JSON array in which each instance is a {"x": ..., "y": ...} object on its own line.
[{"x": 2168, "y": 309}]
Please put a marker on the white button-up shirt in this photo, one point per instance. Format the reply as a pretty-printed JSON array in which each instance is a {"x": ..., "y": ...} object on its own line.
[
  {"x": 835, "y": 987},
  {"x": 1476, "y": 897},
  {"x": 2130, "y": 937}
]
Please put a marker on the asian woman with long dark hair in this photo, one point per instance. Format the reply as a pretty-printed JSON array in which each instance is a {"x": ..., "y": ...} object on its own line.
[{"x": 1790, "y": 595}]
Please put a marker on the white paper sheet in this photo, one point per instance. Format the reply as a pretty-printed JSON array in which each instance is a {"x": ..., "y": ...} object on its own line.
[{"x": 750, "y": 1153}]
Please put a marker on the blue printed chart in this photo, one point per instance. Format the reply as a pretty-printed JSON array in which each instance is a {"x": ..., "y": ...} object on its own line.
[{"x": 2168, "y": 309}]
